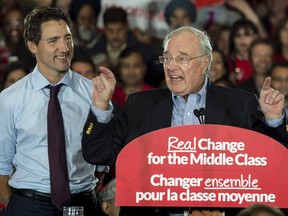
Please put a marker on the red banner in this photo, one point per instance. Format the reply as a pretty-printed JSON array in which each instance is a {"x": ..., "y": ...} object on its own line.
[
  {"x": 207, "y": 3},
  {"x": 202, "y": 165}
]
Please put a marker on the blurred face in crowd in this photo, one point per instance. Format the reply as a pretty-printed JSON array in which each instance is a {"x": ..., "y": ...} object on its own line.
[
  {"x": 277, "y": 6},
  {"x": 63, "y": 4},
  {"x": 280, "y": 79},
  {"x": 13, "y": 26},
  {"x": 223, "y": 42},
  {"x": 55, "y": 48},
  {"x": 83, "y": 68},
  {"x": 261, "y": 58},
  {"x": 132, "y": 69},
  {"x": 116, "y": 34},
  {"x": 13, "y": 77},
  {"x": 243, "y": 39},
  {"x": 86, "y": 23},
  {"x": 283, "y": 35},
  {"x": 218, "y": 69},
  {"x": 183, "y": 79},
  {"x": 179, "y": 18}
]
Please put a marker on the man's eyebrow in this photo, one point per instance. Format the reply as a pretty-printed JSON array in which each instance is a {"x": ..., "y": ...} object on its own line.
[
  {"x": 53, "y": 38},
  {"x": 57, "y": 37},
  {"x": 181, "y": 53},
  {"x": 68, "y": 34}
]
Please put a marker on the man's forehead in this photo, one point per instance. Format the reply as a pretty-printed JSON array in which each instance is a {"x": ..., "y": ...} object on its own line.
[{"x": 54, "y": 24}]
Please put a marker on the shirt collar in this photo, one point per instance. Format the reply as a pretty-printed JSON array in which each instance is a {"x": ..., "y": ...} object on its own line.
[
  {"x": 201, "y": 93},
  {"x": 40, "y": 82}
]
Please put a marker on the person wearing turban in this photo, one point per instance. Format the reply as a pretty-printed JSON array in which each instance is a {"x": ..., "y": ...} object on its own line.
[
  {"x": 84, "y": 14},
  {"x": 179, "y": 13}
]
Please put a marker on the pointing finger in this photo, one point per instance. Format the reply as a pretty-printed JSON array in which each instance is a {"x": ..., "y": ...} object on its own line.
[{"x": 267, "y": 84}]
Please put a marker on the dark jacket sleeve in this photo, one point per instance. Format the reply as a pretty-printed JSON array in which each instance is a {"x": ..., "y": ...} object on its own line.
[
  {"x": 102, "y": 142},
  {"x": 97, "y": 142}
]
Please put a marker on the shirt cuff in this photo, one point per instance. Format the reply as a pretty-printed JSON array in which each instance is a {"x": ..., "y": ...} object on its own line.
[
  {"x": 275, "y": 122},
  {"x": 103, "y": 116},
  {"x": 101, "y": 168}
]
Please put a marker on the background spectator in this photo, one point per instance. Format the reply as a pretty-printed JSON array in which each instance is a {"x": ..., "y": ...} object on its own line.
[
  {"x": 279, "y": 74},
  {"x": 83, "y": 65},
  {"x": 260, "y": 210},
  {"x": 117, "y": 37},
  {"x": 219, "y": 70},
  {"x": 63, "y": 4},
  {"x": 242, "y": 34},
  {"x": 107, "y": 199},
  {"x": 216, "y": 12},
  {"x": 144, "y": 16},
  {"x": 84, "y": 14},
  {"x": 281, "y": 41},
  {"x": 249, "y": 14},
  {"x": 132, "y": 71},
  {"x": 13, "y": 72},
  {"x": 179, "y": 13},
  {"x": 276, "y": 10},
  {"x": 261, "y": 54},
  {"x": 220, "y": 35},
  {"x": 13, "y": 47}
]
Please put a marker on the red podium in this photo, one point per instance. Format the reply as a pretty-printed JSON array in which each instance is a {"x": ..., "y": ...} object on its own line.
[{"x": 202, "y": 166}]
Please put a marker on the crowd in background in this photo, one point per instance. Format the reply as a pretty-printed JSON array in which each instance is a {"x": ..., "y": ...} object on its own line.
[
  {"x": 250, "y": 40},
  {"x": 104, "y": 29}
]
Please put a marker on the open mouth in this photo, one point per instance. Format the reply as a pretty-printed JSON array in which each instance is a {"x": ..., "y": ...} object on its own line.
[
  {"x": 62, "y": 57},
  {"x": 176, "y": 78}
]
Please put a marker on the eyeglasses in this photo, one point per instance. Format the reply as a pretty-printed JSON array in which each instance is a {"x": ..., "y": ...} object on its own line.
[{"x": 181, "y": 60}]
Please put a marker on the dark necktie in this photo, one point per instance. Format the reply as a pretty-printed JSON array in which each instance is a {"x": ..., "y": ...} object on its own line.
[{"x": 59, "y": 182}]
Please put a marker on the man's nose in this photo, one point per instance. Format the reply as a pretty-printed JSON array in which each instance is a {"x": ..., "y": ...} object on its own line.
[
  {"x": 172, "y": 64},
  {"x": 64, "y": 46}
]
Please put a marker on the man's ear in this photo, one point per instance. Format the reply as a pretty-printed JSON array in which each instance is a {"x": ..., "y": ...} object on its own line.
[
  {"x": 32, "y": 47},
  {"x": 106, "y": 207},
  {"x": 205, "y": 64}
]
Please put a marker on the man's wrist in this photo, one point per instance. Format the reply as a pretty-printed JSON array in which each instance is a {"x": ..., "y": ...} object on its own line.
[{"x": 275, "y": 122}]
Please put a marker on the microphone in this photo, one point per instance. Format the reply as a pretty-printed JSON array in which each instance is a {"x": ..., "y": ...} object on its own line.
[{"x": 200, "y": 114}]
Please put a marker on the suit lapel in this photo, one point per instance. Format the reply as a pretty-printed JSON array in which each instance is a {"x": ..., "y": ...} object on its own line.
[
  {"x": 215, "y": 106},
  {"x": 161, "y": 114}
]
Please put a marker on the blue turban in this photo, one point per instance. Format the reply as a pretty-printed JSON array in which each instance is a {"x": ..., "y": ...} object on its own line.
[{"x": 187, "y": 5}]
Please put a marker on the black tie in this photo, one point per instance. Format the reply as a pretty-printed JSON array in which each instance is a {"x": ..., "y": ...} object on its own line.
[{"x": 59, "y": 182}]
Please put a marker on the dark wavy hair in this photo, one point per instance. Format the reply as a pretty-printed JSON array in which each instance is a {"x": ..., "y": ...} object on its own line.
[
  {"x": 34, "y": 20},
  {"x": 240, "y": 24}
]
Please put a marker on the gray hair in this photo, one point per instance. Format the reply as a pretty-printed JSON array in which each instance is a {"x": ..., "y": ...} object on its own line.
[
  {"x": 108, "y": 193},
  {"x": 204, "y": 41},
  {"x": 259, "y": 209}
]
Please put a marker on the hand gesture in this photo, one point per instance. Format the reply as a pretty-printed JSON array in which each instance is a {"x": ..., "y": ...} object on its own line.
[
  {"x": 103, "y": 88},
  {"x": 244, "y": 7},
  {"x": 271, "y": 101}
]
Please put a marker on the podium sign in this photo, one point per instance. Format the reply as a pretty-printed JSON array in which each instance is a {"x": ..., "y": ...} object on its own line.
[{"x": 202, "y": 165}]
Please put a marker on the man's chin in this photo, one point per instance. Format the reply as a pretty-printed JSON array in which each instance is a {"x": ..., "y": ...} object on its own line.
[
  {"x": 63, "y": 71},
  {"x": 116, "y": 45}
]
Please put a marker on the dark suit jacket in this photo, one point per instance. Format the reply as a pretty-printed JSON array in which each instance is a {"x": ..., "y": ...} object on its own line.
[
  {"x": 248, "y": 85},
  {"x": 151, "y": 110}
]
